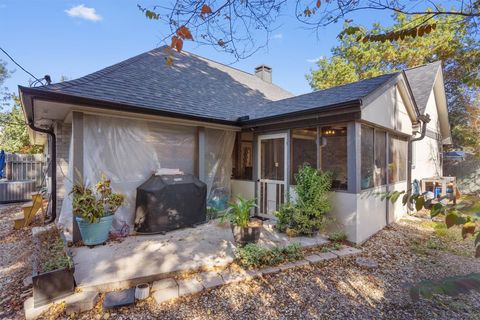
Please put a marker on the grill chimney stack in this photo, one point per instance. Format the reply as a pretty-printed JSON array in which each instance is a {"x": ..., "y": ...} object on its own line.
[{"x": 264, "y": 72}]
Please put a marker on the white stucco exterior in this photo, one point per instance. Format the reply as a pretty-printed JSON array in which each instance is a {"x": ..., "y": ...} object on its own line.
[
  {"x": 426, "y": 153},
  {"x": 389, "y": 111}
]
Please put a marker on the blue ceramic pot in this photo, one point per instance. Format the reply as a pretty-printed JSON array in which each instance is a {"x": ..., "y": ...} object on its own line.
[{"x": 95, "y": 233}]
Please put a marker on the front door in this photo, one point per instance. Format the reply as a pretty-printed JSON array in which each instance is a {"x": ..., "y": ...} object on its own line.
[{"x": 272, "y": 168}]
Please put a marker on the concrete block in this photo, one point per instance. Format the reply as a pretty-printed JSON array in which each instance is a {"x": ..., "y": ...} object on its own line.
[
  {"x": 327, "y": 256},
  {"x": 210, "y": 280},
  {"x": 168, "y": 283},
  {"x": 165, "y": 294},
  {"x": 294, "y": 264},
  {"x": 81, "y": 301},
  {"x": 317, "y": 258},
  {"x": 346, "y": 252},
  {"x": 269, "y": 270},
  {"x": 32, "y": 313},
  {"x": 189, "y": 286},
  {"x": 232, "y": 277}
]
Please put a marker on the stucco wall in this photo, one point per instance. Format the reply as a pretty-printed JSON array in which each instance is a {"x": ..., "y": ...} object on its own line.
[
  {"x": 426, "y": 153},
  {"x": 344, "y": 213},
  {"x": 389, "y": 111}
]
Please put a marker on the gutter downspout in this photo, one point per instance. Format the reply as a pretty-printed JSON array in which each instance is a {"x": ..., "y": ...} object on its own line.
[
  {"x": 425, "y": 119},
  {"x": 53, "y": 167}
]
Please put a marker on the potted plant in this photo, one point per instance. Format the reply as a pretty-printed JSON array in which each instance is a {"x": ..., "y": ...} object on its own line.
[
  {"x": 53, "y": 270},
  {"x": 94, "y": 210},
  {"x": 244, "y": 228}
]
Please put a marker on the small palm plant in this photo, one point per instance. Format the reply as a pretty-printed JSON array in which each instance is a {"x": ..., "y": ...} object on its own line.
[
  {"x": 238, "y": 213},
  {"x": 244, "y": 230}
]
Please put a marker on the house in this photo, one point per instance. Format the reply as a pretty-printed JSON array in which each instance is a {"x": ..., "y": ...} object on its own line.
[{"x": 241, "y": 134}]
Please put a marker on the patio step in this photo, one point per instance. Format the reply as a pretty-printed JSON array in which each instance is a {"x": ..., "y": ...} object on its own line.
[{"x": 29, "y": 209}]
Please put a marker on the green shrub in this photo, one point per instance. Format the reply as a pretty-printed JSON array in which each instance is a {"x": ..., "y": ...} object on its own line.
[
  {"x": 308, "y": 214},
  {"x": 254, "y": 256},
  {"x": 337, "y": 236}
]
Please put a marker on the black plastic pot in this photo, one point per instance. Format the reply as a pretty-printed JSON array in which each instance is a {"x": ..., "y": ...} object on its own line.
[
  {"x": 52, "y": 285},
  {"x": 244, "y": 235}
]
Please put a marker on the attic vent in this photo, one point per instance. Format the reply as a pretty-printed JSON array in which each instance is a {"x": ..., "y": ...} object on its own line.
[{"x": 264, "y": 72}]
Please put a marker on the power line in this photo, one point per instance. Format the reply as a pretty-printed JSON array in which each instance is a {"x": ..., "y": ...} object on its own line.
[{"x": 13, "y": 60}]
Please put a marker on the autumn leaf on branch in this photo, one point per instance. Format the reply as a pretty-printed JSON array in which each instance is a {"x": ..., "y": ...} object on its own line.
[{"x": 206, "y": 10}]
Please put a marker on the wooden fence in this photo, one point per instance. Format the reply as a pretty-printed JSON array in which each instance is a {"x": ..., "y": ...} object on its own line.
[{"x": 22, "y": 167}]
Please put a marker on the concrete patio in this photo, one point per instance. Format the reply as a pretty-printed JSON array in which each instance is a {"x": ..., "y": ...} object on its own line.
[{"x": 146, "y": 258}]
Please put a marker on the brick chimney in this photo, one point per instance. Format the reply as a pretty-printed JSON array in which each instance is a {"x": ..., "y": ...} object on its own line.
[{"x": 264, "y": 72}]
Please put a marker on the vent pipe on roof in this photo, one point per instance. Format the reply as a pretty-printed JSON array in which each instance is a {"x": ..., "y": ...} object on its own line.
[{"x": 264, "y": 72}]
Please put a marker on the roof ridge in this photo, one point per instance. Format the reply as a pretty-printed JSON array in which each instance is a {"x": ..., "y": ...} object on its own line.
[
  {"x": 424, "y": 65},
  {"x": 238, "y": 69},
  {"x": 339, "y": 86}
]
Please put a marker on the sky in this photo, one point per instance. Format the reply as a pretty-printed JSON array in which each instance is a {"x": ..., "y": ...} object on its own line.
[{"x": 75, "y": 38}]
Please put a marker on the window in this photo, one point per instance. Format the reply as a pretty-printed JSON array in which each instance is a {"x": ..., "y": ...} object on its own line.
[
  {"x": 380, "y": 164},
  {"x": 304, "y": 149},
  {"x": 243, "y": 153},
  {"x": 334, "y": 154},
  {"x": 367, "y": 157},
  {"x": 397, "y": 164}
]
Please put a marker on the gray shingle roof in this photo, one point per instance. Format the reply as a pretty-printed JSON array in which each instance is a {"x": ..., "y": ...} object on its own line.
[
  {"x": 192, "y": 86},
  {"x": 321, "y": 99},
  {"x": 195, "y": 86},
  {"x": 421, "y": 80}
]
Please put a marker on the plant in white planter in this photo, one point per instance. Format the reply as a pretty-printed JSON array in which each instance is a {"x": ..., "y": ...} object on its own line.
[{"x": 94, "y": 210}]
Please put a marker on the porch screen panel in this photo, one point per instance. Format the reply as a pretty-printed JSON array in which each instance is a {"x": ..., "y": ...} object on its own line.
[
  {"x": 304, "y": 149},
  {"x": 380, "y": 164},
  {"x": 128, "y": 152},
  {"x": 334, "y": 155},
  {"x": 218, "y": 166},
  {"x": 397, "y": 164},
  {"x": 273, "y": 159},
  {"x": 367, "y": 159}
]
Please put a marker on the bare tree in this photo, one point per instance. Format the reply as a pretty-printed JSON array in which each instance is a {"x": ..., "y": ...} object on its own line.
[{"x": 241, "y": 27}]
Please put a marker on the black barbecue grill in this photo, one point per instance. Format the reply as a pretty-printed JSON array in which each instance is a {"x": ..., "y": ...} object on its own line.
[{"x": 169, "y": 202}]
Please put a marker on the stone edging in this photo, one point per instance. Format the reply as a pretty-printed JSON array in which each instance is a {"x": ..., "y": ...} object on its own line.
[{"x": 169, "y": 288}]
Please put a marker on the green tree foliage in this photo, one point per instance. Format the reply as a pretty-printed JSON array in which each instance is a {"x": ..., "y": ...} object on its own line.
[
  {"x": 14, "y": 131},
  {"x": 454, "y": 41},
  {"x": 308, "y": 213}
]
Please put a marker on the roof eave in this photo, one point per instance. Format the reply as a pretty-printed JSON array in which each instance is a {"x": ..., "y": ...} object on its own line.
[
  {"x": 33, "y": 93},
  {"x": 341, "y": 108}
]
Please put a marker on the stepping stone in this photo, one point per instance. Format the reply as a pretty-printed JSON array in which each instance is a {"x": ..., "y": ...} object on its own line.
[
  {"x": 366, "y": 263},
  {"x": 189, "y": 286},
  {"x": 346, "y": 252},
  {"x": 210, "y": 280},
  {"x": 117, "y": 299}
]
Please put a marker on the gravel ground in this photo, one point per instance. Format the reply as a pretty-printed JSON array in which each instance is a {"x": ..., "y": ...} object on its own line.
[
  {"x": 338, "y": 289},
  {"x": 15, "y": 266}
]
